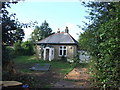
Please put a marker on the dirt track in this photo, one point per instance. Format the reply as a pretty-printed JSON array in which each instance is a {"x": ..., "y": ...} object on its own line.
[{"x": 77, "y": 78}]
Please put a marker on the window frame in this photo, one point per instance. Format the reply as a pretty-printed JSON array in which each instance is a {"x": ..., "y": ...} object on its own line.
[{"x": 63, "y": 50}]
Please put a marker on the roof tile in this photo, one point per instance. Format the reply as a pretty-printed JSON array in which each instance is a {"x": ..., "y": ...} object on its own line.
[{"x": 58, "y": 38}]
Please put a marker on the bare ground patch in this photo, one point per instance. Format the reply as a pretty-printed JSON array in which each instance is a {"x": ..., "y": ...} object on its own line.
[{"x": 77, "y": 78}]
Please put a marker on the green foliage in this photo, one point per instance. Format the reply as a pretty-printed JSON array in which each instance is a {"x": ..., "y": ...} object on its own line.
[
  {"x": 101, "y": 40},
  {"x": 26, "y": 59},
  {"x": 28, "y": 48},
  {"x": 63, "y": 67},
  {"x": 11, "y": 30},
  {"x": 11, "y": 52},
  {"x": 8, "y": 54},
  {"x": 18, "y": 48},
  {"x": 41, "y": 32},
  {"x": 76, "y": 59},
  {"x": 11, "y": 27},
  {"x": 24, "y": 48}
]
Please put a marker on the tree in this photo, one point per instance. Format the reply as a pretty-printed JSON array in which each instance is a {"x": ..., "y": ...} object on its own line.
[
  {"x": 101, "y": 40},
  {"x": 18, "y": 48},
  {"x": 27, "y": 48},
  {"x": 11, "y": 28},
  {"x": 41, "y": 32},
  {"x": 11, "y": 31},
  {"x": 24, "y": 48}
]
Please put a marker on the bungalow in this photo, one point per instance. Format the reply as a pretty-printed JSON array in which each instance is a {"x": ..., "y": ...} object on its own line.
[{"x": 57, "y": 45}]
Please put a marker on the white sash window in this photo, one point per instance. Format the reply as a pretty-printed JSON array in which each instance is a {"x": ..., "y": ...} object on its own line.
[{"x": 62, "y": 51}]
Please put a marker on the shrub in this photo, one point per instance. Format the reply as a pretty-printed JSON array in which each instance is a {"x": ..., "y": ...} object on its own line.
[
  {"x": 18, "y": 48},
  {"x": 11, "y": 52},
  {"x": 28, "y": 48},
  {"x": 103, "y": 46},
  {"x": 24, "y": 48},
  {"x": 8, "y": 54},
  {"x": 76, "y": 58}
]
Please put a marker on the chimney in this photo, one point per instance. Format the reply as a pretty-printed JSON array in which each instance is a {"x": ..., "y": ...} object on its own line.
[
  {"x": 66, "y": 30},
  {"x": 58, "y": 31}
]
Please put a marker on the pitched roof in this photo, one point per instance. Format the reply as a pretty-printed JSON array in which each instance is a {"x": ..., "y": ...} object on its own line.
[{"x": 58, "y": 38}]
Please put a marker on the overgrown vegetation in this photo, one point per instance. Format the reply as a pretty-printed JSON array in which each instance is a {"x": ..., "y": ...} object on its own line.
[
  {"x": 38, "y": 78},
  {"x": 12, "y": 31},
  {"x": 19, "y": 48},
  {"x": 24, "y": 48},
  {"x": 76, "y": 59},
  {"x": 101, "y": 40}
]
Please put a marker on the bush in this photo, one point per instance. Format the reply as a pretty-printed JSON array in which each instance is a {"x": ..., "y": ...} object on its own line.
[
  {"x": 28, "y": 48},
  {"x": 8, "y": 53},
  {"x": 11, "y": 52},
  {"x": 24, "y": 48},
  {"x": 103, "y": 46},
  {"x": 76, "y": 58},
  {"x": 18, "y": 48}
]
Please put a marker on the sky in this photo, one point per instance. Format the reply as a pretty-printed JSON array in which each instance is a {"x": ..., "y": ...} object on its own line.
[{"x": 58, "y": 14}]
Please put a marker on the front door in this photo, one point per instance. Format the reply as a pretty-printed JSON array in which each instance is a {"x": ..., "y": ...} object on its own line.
[{"x": 47, "y": 54}]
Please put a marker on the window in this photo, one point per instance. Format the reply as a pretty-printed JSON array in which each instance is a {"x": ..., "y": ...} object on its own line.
[{"x": 62, "y": 51}]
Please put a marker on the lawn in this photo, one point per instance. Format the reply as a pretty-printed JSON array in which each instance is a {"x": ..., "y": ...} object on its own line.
[
  {"x": 39, "y": 79},
  {"x": 29, "y": 61}
]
